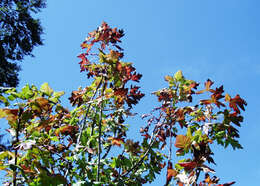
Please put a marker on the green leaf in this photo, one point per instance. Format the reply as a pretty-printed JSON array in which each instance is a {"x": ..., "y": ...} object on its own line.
[
  {"x": 198, "y": 136},
  {"x": 220, "y": 134},
  {"x": 189, "y": 132},
  {"x": 46, "y": 89},
  {"x": 2, "y": 113},
  {"x": 168, "y": 78},
  {"x": 178, "y": 75},
  {"x": 26, "y": 92},
  {"x": 58, "y": 94},
  {"x": 4, "y": 100},
  {"x": 11, "y": 97}
]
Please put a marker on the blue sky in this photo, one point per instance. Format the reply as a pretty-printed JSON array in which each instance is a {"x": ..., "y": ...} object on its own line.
[{"x": 216, "y": 39}]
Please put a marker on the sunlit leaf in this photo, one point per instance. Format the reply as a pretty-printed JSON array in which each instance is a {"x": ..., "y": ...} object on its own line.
[
  {"x": 46, "y": 89},
  {"x": 178, "y": 75},
  {"x": 182, "y": 141},
  {"x": 116, "y": 141}
]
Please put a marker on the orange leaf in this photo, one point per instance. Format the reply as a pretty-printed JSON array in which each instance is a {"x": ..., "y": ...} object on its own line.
[
  {"x": 11, "y": 114},
  {"x": 182, "y": 141},
  {"x": 116, "y": 141},
  {"x": 207, "y": 84}
]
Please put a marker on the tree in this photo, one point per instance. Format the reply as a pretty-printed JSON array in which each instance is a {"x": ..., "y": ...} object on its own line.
[
  {"x": 89, "y": 145},
  {"x": 19, "y": 34}
]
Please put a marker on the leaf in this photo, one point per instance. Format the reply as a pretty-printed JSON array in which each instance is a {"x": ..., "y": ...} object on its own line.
[
  {"x": 168, "y": 78},
  {"x": 188, "y": 165},
  {"x": 178, "y": 75},
  {"x": 182, "y": 141},
  {"x": 66, "y": 130},
  {"x": 136, "y": 77},
  {"x": 45, "y": 88},
  {"x": 4, "y": 100},
  {"x": 58, "y": 94},
  {"x": 83, "y": 63},
  {"x": 11, "y": 115},
  {"x": 236, "y": 103},
  {"x": 2, "y": 113},
  {"x": 40, "y": 104},
  {"x": 207, "y": 84},
  {"x": 207, "y": 169},
  {"x": 227, "y": 98},
  {"x": 116, "y": 141},
  {"x": 26, "y": 93}
]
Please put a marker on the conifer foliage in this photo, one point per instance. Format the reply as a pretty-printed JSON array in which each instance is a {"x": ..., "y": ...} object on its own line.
[{"x": 20, "y": 32}]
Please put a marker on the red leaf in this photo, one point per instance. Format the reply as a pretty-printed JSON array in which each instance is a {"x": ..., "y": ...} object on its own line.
[
  {"x": 147, "y": 136},
  {"x": 121, "y": 92},
  {"x": 83, "y": 63},
  {"x": 136, "y": 77},
  {"x": 188, "y": 165},
  {"x": 236, "y": 102},
  {"x": 76, "y": 97}
]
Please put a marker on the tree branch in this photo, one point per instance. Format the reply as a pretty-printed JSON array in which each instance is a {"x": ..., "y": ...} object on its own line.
[
  {"x": 86, "y": 115},
  {"x": 99, "y": 131},
  {"x": 152, "y": 140},
  {"x": 107, "y": 152},
  {"x": 91, "y": 134},
  {"x": 16, "y": 149}
]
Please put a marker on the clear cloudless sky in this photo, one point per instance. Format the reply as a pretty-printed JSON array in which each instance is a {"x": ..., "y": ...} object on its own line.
[{"x": 216, "y": 39}]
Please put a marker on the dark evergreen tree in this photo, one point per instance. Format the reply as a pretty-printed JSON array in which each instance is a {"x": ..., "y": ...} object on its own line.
[{"x": 20, "y": 32}]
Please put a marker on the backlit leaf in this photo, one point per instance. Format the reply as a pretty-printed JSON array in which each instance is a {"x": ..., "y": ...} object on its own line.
[
  {"x": 178, "y": 75},
  {"x": 46, "y": 89},
  {"x": 182, "y": 141}
]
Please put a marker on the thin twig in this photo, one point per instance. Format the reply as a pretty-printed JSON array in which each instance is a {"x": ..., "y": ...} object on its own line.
[
  {"x": 107, "y": 152},
  {"x": 152, "y": 140}
]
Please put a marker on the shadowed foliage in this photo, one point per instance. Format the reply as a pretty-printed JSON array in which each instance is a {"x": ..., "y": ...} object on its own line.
[{"x": 20, "y": 32}]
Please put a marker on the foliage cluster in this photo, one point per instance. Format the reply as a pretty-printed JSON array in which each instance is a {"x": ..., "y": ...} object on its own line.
[{"x": 89, "y": 145}]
